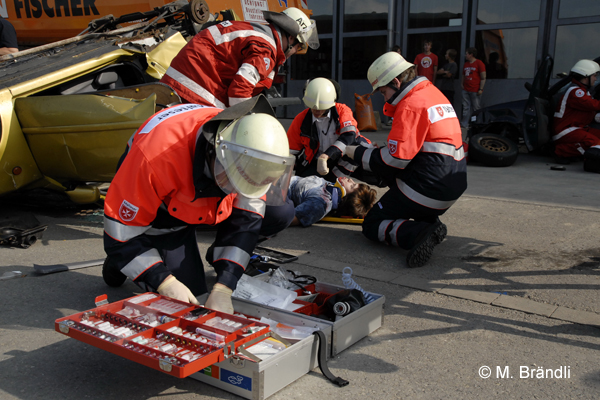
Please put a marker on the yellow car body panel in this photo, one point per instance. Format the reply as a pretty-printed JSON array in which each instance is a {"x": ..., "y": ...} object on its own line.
[
  {"x": 53, "y": 141},
  {"x": 18, "y": 165},
  {"x": 80, "y": 137},
  {"x": 160, "y": 58}
]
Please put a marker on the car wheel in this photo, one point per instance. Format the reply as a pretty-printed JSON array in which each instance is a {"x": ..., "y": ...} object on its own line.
[
  {"x": 199, "y": 11},
  {"x": 493, "y": 150}
]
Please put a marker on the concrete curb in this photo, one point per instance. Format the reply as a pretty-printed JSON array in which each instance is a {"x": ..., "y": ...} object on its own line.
[{"x": 494, "y": 299}]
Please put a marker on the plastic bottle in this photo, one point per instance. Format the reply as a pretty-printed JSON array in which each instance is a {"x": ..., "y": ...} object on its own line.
[{"x": 350, "y": 284}]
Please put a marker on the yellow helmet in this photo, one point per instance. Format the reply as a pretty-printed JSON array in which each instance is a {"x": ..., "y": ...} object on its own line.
[
  {"x": 252, "y": 155},
  {"x": 320, "y": 94},
  {"x": 385, "y": 68}
]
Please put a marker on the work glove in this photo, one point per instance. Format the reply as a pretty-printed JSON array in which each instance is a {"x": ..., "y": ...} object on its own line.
[
  {"x": 322, "y": 166},
  {"x": 350, "y": 151},
  {"x": 171, "y": 287},
  {"x": 220, "y": 299}
]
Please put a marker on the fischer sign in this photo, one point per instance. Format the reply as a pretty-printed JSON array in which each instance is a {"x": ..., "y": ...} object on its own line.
[{"x": 66, "y": 8}]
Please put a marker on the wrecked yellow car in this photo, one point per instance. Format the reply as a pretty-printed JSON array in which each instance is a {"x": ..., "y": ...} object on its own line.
[{"x": 68, "y": 108}]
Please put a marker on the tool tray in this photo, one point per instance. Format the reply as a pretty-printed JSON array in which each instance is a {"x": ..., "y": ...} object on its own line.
[{"x": 168, "y": 335}]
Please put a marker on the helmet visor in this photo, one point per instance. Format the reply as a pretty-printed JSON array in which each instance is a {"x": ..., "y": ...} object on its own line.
[
  {"x": 309, "y": 36},
  {"x": 253, "y": 173}
]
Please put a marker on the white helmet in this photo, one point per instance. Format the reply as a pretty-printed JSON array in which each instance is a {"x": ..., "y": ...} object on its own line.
[
  {"x": 385, "y": 68},
  {"x": 253, "y": 156},
  {"x": 320, "y": 94},
  {"x": 308, "y": 35},
  {"x": 586, "y": 67},
  {"x": 293, "y": 21}
]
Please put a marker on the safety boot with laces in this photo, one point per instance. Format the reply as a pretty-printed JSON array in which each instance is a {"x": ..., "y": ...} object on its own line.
[{"x": 422, "y": 250}]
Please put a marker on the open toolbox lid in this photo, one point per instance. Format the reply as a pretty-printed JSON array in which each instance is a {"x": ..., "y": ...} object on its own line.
[{"x": 168, "y": 335}]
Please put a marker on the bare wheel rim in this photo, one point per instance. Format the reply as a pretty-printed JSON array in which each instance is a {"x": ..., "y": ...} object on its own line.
[{"x": 493, "y": 144}]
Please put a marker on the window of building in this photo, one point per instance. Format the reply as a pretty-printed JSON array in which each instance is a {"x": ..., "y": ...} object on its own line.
[
  {"x": 495, "y": 11},
  {"x": 313, "y": 64},
  {"x": 578, "y": 8},
  {"x": 360, "y": 16},
  {"x": 440, "y": 42},
  {"x": 359, "y": 53},
  {"x": 508, "y": 53},
  {"x": 435, "y": 13},
  {"x": 323, "y": 15},
  {"x": 574, "y": 42}
]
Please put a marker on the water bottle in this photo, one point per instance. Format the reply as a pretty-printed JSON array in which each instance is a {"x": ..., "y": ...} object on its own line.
[{"x": 350, "y": 284}]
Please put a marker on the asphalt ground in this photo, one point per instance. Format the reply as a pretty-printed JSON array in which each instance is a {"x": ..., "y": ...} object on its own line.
[{"x": 514, "y": 285}]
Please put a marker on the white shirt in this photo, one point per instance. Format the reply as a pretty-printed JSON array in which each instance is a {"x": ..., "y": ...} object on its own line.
[{"x": 326, "y": 128}]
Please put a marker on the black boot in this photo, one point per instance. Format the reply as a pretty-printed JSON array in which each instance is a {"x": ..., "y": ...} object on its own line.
[
  {"x": 440, "y": 233},
  {"x": 424, "y": 243}
]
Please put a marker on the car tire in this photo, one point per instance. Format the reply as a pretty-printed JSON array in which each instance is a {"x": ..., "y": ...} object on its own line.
[{"x": 493, "y": 150}]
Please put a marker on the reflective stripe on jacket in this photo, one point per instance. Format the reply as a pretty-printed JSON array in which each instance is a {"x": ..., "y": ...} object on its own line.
[
  {"x": 424, "y": 157},
  {"x": 227, "y": 63},
  {"x": 577, "y": 108},
  {"x": 162, "y": 186},
  {"x": 303, "y": 135}
]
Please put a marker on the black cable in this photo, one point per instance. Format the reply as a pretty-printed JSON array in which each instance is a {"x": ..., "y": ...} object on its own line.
[
  {"x": 302, "y": 280},
  {"x": 322, "y": 360}
]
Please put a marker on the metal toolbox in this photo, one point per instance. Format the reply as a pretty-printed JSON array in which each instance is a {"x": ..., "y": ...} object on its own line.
[
  {"x": 345, "y": 331},
  {"x": 259, "y": 380}
]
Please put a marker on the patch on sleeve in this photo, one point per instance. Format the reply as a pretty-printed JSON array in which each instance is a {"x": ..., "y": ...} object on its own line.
[
  {"x": 128, "y": 211},
  {"x": 347, "y": 123},
  {"x": 225, "y": 24},
  {"x": 267, "y": 63},
  {"x": 392, "y": 146},
  {"x": 579, "y": 93}
]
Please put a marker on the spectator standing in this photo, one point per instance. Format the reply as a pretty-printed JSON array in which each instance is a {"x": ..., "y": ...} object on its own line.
[
  {"x": 427, "y": 62},
  {"x": 472, "y": 83},
  {"x": 8, "y": 38},
  {"x": 495, "y": 69},
  {"x": 447, "y": 75}
]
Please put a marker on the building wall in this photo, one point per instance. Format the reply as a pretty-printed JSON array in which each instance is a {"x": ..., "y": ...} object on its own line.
[{"x": 353, "y": 33}]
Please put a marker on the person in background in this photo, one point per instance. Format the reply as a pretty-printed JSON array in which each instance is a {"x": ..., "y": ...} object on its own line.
[
  {"x": 427, "y": 62},
  {"x": 186, "y": 166},
  {"x": 8, "y": 38},
  {"x": 495, "y": 69},
  {"x": 423, "y": 164},
  {"x": 319, "y": 135},
  {"x": 314, "y": 198},
  {"x": 472, "y": 83},
  {"x": 573, "y": 137},
  {"x": 233, "y": 61},
  {"x": 447, "y": 75}
]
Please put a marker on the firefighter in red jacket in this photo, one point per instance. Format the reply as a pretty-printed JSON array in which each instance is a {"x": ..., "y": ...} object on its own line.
[
  {"x": 190, "y": 165},
  {"x": 423, "y": 164},
  {"x": 319, "y": 135},
  {"x": 576, "y": 111},
  {"x": 235, "y": 60}
]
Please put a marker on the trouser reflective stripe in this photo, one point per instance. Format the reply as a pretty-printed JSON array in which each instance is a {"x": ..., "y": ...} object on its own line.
[{"x": 398, "y": 214}]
